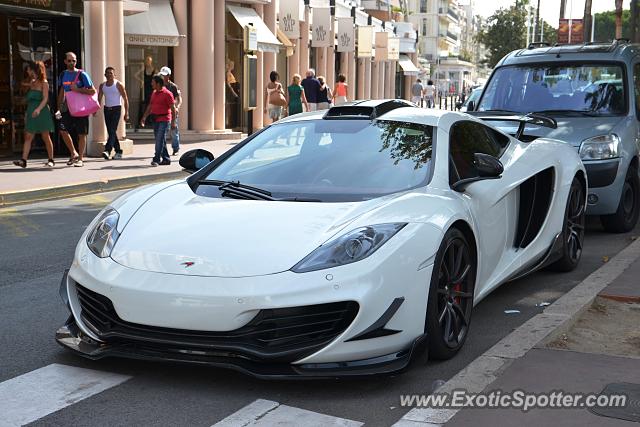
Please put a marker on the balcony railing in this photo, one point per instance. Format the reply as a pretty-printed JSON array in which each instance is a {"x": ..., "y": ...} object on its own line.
[
  {"x": 452, "y": 35},
  {"x": 452, "y": 14}
]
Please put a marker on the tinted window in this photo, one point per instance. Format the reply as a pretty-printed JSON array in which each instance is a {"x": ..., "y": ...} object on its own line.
[
  {"x": 636, "y": 88},
  {"x": 592, "y": 89},
  {"x": 332, "y": 160},
  {"x": 468, "y": 138}
]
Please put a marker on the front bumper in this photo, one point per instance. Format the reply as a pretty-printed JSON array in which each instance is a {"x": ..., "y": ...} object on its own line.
[
  {"x": 71, "y": 337},
  {"x": 605, "y": 179}
]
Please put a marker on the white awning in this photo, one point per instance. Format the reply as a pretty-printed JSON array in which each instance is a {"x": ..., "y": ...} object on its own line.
[
  {"x": 155, "y": 27},
  {"x": 407, "y": 66},
  {"x": 267, "y": 41}
]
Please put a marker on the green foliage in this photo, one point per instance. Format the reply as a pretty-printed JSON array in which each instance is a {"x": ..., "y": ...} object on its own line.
[
  {"x": 550, "y": 34},
  {"x": 605, "y": 25},
  {"x": 505, "y": 32}
]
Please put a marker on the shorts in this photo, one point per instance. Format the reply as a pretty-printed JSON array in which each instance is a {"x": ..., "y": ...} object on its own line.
[
  {"x": 275, "y": 112},
  {"x": 69, "y": 123}
]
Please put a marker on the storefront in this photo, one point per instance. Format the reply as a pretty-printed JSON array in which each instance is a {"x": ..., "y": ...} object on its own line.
[
  {"x": 36, "y": 31},
  {"x": 149, "y": 40},
  {"x": 405, "y": 70}
]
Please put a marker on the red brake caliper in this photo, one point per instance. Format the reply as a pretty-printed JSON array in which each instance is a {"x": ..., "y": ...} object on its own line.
[{"x": 457, "y": 288}]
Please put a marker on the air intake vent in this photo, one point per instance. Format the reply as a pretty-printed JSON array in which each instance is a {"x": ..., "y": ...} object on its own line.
[{"x": 366, "y": 110}]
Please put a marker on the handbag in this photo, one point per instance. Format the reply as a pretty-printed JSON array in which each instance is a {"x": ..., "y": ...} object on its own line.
[
  {"x": 80, "y": 104},
  {"x": 277, "y": 97}
]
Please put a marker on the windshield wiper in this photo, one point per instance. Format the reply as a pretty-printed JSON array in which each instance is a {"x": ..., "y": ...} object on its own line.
[
  {"x": 569, "y": 112},
  {"x": 238, "y": 189}
]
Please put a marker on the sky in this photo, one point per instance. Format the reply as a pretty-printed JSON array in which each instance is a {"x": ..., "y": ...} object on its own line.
[{"x": 549, "y": 9}]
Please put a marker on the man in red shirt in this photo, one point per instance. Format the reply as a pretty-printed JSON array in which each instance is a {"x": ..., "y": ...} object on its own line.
[{"x": 163, "y": 113}]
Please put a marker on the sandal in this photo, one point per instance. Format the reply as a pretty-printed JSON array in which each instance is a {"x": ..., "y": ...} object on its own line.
[
  {"x": 72, "y": 160},
  {"x": 50, "y": 163},
  {"x": 22, "y": 163}
]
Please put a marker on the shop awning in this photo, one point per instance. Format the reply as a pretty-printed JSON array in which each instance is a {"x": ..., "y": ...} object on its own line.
[
  {"x": 285, "y": 41},
  {"x": 267, "y": 41},
  {"x": 407, "y": 66},
  {"x": 155, "y": 27}
]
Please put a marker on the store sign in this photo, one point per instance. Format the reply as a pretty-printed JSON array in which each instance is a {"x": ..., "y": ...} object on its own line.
[
  {"x": 289, "y": 13},
  {"x": 365, "y": 41},
  {"x": 393, "y": 49},
  {"x": 570, "y": 31},
  {"x": 321, "y": 29},
  {"x": 346, "y": 35},
  {"x": 148, "y": 40},
  {"x": 382, "y": 43},
  {"x": 250, "y": 38}
]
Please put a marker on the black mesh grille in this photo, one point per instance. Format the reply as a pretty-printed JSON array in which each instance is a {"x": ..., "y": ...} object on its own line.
[{"x": 283, "y": 334}]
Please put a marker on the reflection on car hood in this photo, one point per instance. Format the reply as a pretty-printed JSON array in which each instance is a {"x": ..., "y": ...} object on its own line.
[
  {"x": 570, "y": 129},
  {"x": 178, "y": 232}
]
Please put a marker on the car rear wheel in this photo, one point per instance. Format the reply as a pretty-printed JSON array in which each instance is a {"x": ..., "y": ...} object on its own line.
[
  {"x": 573, "y": 229},
  {"x": 628, "y": 211},
  {"x": 450, "y": 296}
]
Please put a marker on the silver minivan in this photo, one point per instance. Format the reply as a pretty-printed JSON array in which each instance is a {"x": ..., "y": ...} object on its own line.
[{"x": 593, "y": 92}]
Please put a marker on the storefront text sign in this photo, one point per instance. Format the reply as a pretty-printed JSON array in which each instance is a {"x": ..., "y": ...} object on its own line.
[
  {"x": 289, "y": 13},
  {"x": 321, "y": 28},
  {"x": 346, "y": 36},
  {"x": 365, "y": 41},
  {"x": 393, "y": 49},
  {"x": 382, "y": 46},
  {"x": 147, "y": 40}
]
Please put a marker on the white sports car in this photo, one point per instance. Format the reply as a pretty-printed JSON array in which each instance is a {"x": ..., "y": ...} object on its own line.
[{"x": 331, "y": 243}]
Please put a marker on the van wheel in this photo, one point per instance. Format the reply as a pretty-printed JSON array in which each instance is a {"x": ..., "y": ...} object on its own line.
[{"x": 626, "y": 216}]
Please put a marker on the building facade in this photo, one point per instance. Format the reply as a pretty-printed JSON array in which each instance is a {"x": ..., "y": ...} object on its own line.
[{"x": 220, "y": 52}]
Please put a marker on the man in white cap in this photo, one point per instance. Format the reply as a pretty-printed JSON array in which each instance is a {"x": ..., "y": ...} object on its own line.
[{"x": 165, "y": 72}]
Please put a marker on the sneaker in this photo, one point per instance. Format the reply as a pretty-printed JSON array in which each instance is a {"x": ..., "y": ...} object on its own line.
[
  {"x": 50, "y": 163},
  {"x": 105, "y": 155},
  {"x": 154, "y": 163},
  {"x": 78, "y": 164},
  {"x": 175, "y": 152},
  {"x": 165, "y": 162},
  {"x": 118, "y": 156}
]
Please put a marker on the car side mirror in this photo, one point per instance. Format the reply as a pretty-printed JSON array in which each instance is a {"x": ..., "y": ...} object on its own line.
[
  {"x": 471, "y": 106},
  {"x": 194, "y": 160},
  {"x": 488, "y": 167}
]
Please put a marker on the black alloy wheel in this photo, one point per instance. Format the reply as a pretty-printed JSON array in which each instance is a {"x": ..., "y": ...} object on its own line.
[
  {"x": 573, "y": 229},
  {"x": 450, "y": 296},
  {"x": 626, "y": 216}
]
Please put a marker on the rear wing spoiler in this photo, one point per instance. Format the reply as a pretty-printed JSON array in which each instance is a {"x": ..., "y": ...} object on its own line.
[{"x": 535, "y": 119}]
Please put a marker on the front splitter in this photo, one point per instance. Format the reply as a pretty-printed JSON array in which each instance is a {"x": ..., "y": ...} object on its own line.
[{"x": 71, "y": 337}]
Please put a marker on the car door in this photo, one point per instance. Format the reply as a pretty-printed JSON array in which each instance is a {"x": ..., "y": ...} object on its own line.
[{"x": 491, "y": 211}]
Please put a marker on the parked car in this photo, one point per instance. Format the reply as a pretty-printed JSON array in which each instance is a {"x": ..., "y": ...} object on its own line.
[
  {"x": 593, "y": 91},
  {"x": 471, "y": 101},
  {"x": 330, "y": 243}
]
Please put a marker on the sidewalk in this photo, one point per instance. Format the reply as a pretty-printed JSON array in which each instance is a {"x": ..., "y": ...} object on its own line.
[
  {"x": 38, "y": 182},
  {"x": 585, "y": 342}
]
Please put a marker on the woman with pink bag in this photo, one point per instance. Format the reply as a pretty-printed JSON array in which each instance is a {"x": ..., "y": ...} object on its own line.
[{"x": 76, "y": 81}]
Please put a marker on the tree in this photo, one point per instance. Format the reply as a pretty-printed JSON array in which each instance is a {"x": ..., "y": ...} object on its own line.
[
  {"x": 505, "y": 32},
  {"x": 550, "y": 34},
  {"x": 618, "y": 19},
  {"x": 605, "y": 25}
]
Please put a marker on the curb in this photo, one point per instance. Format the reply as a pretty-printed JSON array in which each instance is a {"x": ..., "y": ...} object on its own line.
[
  {"x": 559, "y": 316},
  {"x": 79, "y": 189}
]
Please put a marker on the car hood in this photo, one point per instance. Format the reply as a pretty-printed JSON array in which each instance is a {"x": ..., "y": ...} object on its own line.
[
  {"x": 178, "y": 232},
  {"x": 573, "y": 130}
]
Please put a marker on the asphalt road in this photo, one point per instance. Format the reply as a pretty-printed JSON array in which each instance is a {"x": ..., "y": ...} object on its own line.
[{"x": 37, "y": 243}]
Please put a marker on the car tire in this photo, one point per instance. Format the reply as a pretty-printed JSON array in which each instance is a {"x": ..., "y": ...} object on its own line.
[
  {"x": 628, "y": 211},
  {"x": 573, "y": 228},
  {"x": 450, "y": 296}
]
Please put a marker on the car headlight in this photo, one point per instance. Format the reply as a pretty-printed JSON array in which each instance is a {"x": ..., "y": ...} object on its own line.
[
  {"x": 600, "y": 147},
  {"x": 104, "y": 234},
  {"x": 351, "y": 247}
]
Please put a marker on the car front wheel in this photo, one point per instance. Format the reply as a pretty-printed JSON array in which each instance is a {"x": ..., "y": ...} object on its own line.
[
  {"x": 573, "y": 229},
  {"x": 450, "y": 296},
  {"x": 626, "y": 215}
]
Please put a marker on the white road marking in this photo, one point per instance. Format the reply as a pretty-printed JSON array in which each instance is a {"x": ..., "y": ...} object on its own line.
[
  {"x": 38, "y": 393},
  {"x": 265, "y": 413}
]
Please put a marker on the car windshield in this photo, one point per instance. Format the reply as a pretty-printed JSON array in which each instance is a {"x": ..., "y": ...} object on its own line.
[
  {"x": 475, "y": 94},
  {"x": 330, "y": 160},
  {"x": 593, "y": 90}
]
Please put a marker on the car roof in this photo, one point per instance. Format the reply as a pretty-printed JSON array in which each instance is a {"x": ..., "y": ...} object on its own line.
[{"x": 617, "y": 50}]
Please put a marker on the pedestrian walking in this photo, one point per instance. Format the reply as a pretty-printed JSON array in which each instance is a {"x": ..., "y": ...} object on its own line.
[
  {"x": 73, "y": 80},
  {"x": 162, "y": 111},
  {"x": 429, "y": 94},
  {"x": 38, "y": 116},
  {"x": 311, "y": 87},
  {"x": 324, "y": 95},
  {"x": 417, "y": 92},
  {"x": 341, "y": 90},
  {"x": 274, "y": 97},
  {"x": 165, "y": 72},
  {"x": 114, "y": 96},
  {"x": 296, "y": 96}
]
